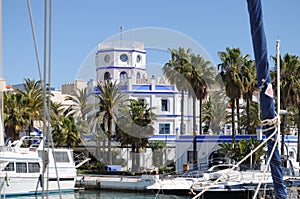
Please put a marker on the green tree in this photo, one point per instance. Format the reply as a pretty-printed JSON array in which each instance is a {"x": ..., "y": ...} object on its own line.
[
  {"x": 255, "y": 119},
  {"x": 14, "y": 111},
  {"x": 65, "y": 132},
  {"x": 202, "y": 76},
  {"x": 214, "y": 111},
  {"x": 134, "y": 128},
  {"x": 33, "y": 101},
  {"x": 157, "y": 147},
  {"x": 80, "y": 108},
  {"x": 289, "y": 86},
  {"x": 178, "y": 70},
  {"x": 109, "y": 98},
  {"x": 231, "y": 62},
  {"x": 249, "y": 82},
  {"x": 241, "y": 149}
]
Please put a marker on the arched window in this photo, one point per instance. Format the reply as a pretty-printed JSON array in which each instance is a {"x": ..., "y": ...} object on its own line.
[
  {"x": 138, "y": 76},
  {"x": 123, "y": 75},
  {"x": 106, "y": 75}
]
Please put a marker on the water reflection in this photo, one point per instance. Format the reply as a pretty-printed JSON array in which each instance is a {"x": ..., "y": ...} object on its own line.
[{"x": 105, "y": 195}]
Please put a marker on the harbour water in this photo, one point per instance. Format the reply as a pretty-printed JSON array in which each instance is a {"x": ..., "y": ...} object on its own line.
[{"x": 105, "y": 195}]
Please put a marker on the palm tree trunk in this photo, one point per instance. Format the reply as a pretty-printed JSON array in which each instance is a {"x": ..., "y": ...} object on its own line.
[
  {"x": 282, "y": 139},
  {"x": 138, "y": 159},
  {"x": 109, "y": 127},
  {"x": 194, "y": 134},
  {"x": 232, "y": 120},
  {"x": 200, "y": 116},
  {"x": 182, "y": 112},
  {"x": 238, "y": 115},
  {"x": 298, "y": 144},
  {"x": 248, "y": 115},
  {"x": 103, "y": 151},
  {"x": 133, "y": 158}
]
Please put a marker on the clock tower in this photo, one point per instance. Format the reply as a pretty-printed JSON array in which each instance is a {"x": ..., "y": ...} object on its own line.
[{"x": 120, "y": 60}]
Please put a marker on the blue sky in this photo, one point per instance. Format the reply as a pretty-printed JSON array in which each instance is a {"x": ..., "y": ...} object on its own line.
[{"x": 79, "y": 25}]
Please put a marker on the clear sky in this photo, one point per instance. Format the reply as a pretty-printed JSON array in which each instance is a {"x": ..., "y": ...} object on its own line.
[{"x": 79, "y": 25}]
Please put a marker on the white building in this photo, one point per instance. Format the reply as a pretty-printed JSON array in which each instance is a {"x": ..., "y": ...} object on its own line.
[{"x": 125, "y": 62}]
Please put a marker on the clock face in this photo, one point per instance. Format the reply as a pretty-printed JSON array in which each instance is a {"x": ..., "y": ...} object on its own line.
[
  {"x": 106, "y": 58},
  {"x": 138, "y": 58},
  {"x": 124, "y": 57}
]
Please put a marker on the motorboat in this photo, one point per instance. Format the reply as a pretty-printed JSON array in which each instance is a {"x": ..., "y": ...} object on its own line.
[
  {"x": 28, "y": 167},
  {"x": 181, "y": 184},
  {"x": 232, "y": 183}
]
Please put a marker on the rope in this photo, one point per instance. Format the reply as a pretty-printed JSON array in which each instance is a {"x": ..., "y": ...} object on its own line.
[
  {"x": 34, "y": 39},
  {"x": 43, "y": 79},
  {"x": 265, "y": 122},
  {"x": 266, "y": 168}
]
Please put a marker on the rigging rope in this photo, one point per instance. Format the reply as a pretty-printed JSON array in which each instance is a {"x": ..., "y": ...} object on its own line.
[
  {"x": 43, "y": 80},
  {"x": 265, "y": 122}
]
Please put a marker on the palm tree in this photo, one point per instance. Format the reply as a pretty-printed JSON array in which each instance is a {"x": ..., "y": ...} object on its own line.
[
  {"x": 241, "y": 149},
  {"x": 289, "y": 86},
  {"x": 214, "y": 112},
  {"x": 80, "y": 108},
  {"x": 178, "y": 70},
  {"x": 157, "y": 147},
  {"x": 249, "y": 82},
  {"x": 255, "y": 119},
  {"x": 65, "y": 132},
  {"x": 230, "y": 67},
  {"x": 108, "y": 98},
  {"x": 14, "y": 114},
  {"x": 134, "y": 128},
  {"x": 33, "y": 95},
  {"x": 202, "y": 76}
]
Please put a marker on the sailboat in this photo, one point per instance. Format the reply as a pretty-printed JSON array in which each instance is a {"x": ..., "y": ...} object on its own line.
[
  {"x": 31, "y": 165},
  {"x": 275, "y": 179}
]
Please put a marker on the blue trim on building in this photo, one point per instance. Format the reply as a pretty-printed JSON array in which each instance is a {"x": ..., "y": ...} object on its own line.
[
  {"x": 123, "y": 87},
  {"x": 119, "y": 67},
  {"x": 206, "y": 138},
  {"x": 151, "y": 92},
  {"x": 119, "y": 50},
  {"x": 146, "y": 87},
  {"x": 161, "y": 87},
  {"x": 173, "y": 115}
]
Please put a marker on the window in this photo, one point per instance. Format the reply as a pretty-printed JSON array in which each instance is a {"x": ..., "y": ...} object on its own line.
[
  {"x": 190, "y": 157},
  {"x": 61, "y": 157},
  {"x": 164, "y": 128},
  {"x": 183, "y": 129},
  {"x": 33, "y": 167},
  {"x": 106, "y": 75},
  {"x": 123, "y": 75},
  {"x": 21, "y": 167},
  {"x": 138, "y": 76},
  {"x": 9, "y": 167},
  {"x": 164, "y": 105},
  {"x": 138, "y": 58}
]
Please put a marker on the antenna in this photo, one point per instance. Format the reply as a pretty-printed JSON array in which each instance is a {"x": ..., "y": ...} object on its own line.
[{"x": 121, "y": 32}]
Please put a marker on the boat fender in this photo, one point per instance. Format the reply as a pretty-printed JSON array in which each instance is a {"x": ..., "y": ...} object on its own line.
[
  {"x": 7, "y": 179},
  {"x": 41, "y": 180}
]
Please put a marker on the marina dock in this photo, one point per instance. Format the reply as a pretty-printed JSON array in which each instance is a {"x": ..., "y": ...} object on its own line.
[{"x": 115, "y": 182}]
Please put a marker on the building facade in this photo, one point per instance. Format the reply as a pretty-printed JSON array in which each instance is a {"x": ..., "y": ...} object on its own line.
[{"x": 125, "y": 62}]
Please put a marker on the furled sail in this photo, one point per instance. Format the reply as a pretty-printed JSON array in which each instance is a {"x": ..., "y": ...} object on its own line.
[{"x": 264, "y": 83}]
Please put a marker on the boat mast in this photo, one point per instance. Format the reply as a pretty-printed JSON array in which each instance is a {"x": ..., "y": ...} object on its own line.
[{"x": 2, "y": 83}]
